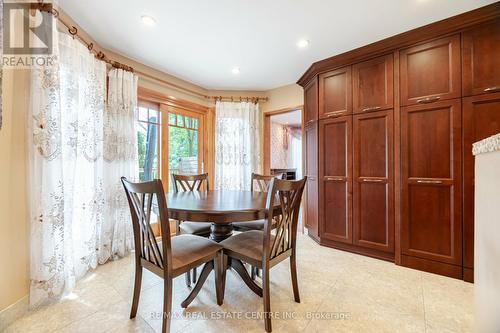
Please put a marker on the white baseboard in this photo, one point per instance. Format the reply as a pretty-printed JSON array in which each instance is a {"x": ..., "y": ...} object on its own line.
[{"x": 13, "y": 313}]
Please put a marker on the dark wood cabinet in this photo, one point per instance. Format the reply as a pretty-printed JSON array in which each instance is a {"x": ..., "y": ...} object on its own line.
[
  {"x": 311, "y": 102},
  {"x": 481, "y": 59},
  {"x": 311, "y": 171},
  {"x": 373, "y": 87},
  {"x": 430, "y": 72},
  {"x": 396, "y": 122},
  {"x": 373, "y": 202},
  {"x": 431, "y": 182},
  {"x": 481, "y": 119},
  {"x": 335, "y": 93},
  {"x": 335, "y": 172}
]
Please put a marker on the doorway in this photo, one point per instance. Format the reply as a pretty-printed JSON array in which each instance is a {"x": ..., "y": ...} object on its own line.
[{"x": 283, "y": 143}]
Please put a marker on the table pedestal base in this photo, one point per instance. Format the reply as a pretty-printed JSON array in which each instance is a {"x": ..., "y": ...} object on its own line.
[{"x": 219, "y": 232}]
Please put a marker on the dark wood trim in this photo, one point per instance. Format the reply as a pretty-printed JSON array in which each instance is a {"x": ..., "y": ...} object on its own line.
[
  {"x": 314, "y": 237},
  {"x": 358, "y": 250},
  {"x": 397, "y": 163},
  {"x": 468, "y": 275},
  {"x": 431, "y": 266},
  {"x": 434, "y": 30}
]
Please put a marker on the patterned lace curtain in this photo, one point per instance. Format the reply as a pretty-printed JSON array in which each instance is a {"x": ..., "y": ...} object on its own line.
[
  {"x": 72, "y": 229},
  {"x": 120, "y": 159},
  {"x": 238, "y": 129}
]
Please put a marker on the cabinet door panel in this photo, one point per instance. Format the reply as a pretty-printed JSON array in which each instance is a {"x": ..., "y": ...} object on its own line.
[
  {"x": 431, "y": 181},
  {"x": 481, "y": 120},
  {"x": 336, "y": 179},
  {"x": 431, "y": 71},
  {"x": 311, "y": 102},
  {"x": 481, "y": 60},
  {"x": 373, "y": 181},
  {"x": 311, "y": 171},
  {"x": 429, "y": 143},
  {"x": 430, "y": 217},
  {"x": 336, "y": 211},
  {"x": 335, "y": 93},
  {"x": 372, "y": 83}
]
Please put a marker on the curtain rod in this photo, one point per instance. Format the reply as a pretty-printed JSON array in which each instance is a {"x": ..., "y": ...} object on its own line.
[{"x": 73, "y": 31}]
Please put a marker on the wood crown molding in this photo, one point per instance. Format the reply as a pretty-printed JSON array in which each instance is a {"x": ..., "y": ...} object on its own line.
[
  {"x": 156, "y": 97},
  {"x": 437, "y": 29},
  {"x": 284, "y": 110}
]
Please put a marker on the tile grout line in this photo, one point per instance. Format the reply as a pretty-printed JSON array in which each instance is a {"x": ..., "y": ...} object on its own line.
[
  {"x": 423, "y": 300},
  {"x": 334, "y": 284}
]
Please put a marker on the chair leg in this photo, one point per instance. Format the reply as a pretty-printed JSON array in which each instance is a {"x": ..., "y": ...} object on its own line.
[
  {"x": 137, "y": 290},
  {"x": 195, "y": 274},
  {"x": 254, "y": 272},
  {"x": 167, "y": 304},
  {"x": 295, "y": 284},
  {"x": 203, "y": 277},
  {"x": 219, "y": 277},
  {"x": 267, "y": 299},
  {"x": 188, "y": 279},
  {"x": 239, "y": 268}
]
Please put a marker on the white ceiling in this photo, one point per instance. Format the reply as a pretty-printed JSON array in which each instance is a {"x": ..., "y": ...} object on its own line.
[
  {"x": 201, "y": 41},
  {"x": 289, "y": 118}
]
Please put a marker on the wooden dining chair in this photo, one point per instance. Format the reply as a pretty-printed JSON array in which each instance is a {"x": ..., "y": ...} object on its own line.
[
  {"x": 190, "y": 183},
  {"x": 258, "y": 183},
  {"x": 172, "y": 256},
  {"x": 266, "y": 248}
]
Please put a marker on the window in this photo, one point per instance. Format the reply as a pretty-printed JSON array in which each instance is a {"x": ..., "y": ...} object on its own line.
[
  {"x": 148, "y": 139},
  {"x": 183, "y": 144}
]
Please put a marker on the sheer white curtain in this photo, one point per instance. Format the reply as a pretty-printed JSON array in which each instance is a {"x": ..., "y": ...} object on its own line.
[
  {"x": 238, "y": 129},
  {"x": 69, "y": 188},
  {"x": 120, "y": 159}
]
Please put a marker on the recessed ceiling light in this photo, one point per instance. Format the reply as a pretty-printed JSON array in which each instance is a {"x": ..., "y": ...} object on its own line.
[
  {"x": 303, "y": 43},
  {"x": 148, "y": 20},
  {"x": 235, "y": 70}
]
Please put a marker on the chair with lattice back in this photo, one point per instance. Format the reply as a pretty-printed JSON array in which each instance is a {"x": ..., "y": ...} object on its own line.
[
  {"x": 258, "y": 183},
  {"x": 266, "y": 248},
  {"x": 172, "y": 256},
  {"x": 191, "y": 183}
]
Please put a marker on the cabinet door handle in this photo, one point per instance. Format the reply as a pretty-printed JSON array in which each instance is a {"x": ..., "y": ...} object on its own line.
[
  {"x": 372, "y": 108},
  {"x": 311, "y": 178},
  {"x": 310, "y": 122},
  {"x": 373, "y": 180},
  {"x": 492, "y": 89},
  {"x": 429, "y": 181},
  {"x": 335, "y": 179},
  {"x": 333, "y": 114},
  {"x": 428, "y": 100}
]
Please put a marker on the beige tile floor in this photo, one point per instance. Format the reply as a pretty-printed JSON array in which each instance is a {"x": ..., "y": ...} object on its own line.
[{"x": 340, "y": 292}]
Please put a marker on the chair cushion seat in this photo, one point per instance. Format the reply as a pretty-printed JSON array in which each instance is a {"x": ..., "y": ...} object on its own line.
[
  {"x": 187, "y": 249},
  {"x": 249, "y": 244},
  {"x": 250, "y": 225},
  {"x": 195, "y": 228}
]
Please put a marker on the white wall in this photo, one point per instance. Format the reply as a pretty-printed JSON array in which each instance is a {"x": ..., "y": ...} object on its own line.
[{"x": 487, "y": 242}]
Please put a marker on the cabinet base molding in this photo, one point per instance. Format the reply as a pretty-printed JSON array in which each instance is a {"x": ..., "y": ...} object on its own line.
[
  {"x": 432, "y": 266},
  {"x": 358, "y": 250},
  {"x": 469, "y": 275},
  {"x": 313, "y": 237}
]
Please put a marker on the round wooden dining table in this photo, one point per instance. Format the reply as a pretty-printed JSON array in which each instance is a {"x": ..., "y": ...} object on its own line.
[{"x": 221, "y": 208}]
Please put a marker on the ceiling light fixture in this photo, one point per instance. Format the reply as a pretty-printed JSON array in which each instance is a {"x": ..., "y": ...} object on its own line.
[
  {"x": 303, "y": 43},
  {"x": 148, "y": 20},
  {"x": 235, "y": 70}
]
